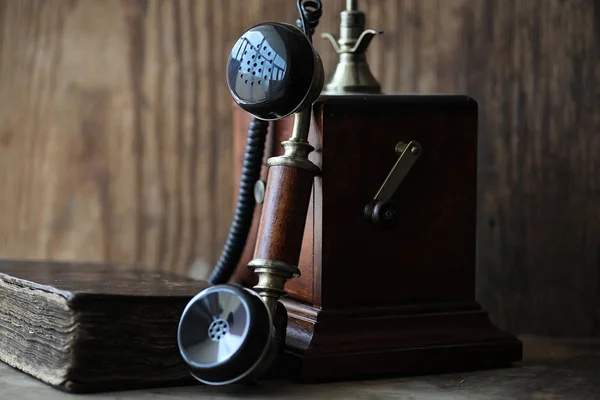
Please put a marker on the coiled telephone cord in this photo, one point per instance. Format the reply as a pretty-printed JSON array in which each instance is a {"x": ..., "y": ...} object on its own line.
[{"x": 242, "y": 220}]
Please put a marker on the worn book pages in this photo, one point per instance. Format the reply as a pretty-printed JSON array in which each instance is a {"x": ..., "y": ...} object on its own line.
[{"x": 84, "y": 327}]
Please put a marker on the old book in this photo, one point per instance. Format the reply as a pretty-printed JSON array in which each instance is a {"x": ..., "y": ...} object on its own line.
[{"x": 84, "y": 327}]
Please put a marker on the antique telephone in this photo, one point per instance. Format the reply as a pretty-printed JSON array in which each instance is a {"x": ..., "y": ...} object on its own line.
[
  {"x": 227, "y": 332},
  {"x": 380, "y": 219}
]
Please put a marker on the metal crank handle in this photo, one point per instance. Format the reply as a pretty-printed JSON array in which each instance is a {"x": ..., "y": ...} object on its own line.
[{"x": 381, "y": 210}]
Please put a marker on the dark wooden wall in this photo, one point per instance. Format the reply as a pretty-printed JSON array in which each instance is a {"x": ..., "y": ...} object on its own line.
[{"x": 115, "y": 133}]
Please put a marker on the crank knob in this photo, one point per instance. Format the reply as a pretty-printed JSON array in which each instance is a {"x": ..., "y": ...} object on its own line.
[
  {"x": 226, "y": 335},
  {"x": 383, "y": 214}
]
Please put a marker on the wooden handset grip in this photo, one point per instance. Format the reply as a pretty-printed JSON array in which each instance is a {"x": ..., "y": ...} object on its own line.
[
  {"x": 284, "y": 214},
  {"x": 281, "y": 228}
]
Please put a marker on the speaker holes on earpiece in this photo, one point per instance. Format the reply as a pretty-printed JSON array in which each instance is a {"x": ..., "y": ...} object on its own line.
[
  {"x": 259, "y": 82},
  {"x": 218, "y": 329},
  {"x": 246, "y": 81}
]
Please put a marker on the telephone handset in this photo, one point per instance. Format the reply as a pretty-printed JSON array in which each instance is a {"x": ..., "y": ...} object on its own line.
[{"x": 226, "y": 333}]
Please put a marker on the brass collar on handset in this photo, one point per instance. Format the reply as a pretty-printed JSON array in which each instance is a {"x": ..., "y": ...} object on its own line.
[{"x": 352, "y": 74}]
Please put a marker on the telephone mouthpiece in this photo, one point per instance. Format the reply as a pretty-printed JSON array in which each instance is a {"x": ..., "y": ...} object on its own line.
[
  {"x": 226, "y": 335},
  {"x": 273, "y": 71}
]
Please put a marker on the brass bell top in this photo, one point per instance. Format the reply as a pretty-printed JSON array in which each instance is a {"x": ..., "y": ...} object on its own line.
[{"x": 352, "y": 74}]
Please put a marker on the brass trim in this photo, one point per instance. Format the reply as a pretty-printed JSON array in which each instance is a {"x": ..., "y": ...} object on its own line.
[
  {"x": 294, "y": 162},
  {"x": 301, "y": 127},
  {"x": 297, "y": 148},
  {"x": 277, "y": 266},
  {"x": 352, "y": 74},
  {"x": 272, "y": 275}
]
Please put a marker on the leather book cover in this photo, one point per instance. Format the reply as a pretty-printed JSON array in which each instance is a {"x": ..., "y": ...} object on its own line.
[{"x": 86, "y": 327}]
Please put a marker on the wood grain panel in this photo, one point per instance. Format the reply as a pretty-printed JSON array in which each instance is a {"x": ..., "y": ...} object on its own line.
[
  {"x": 116, "y": 144},
  {"x": 115, "y": 129},
  {"x": 540, "y": 221}
]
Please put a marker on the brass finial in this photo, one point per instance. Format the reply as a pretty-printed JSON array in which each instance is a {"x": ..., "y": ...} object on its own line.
[{"x": 352, "y": 74}]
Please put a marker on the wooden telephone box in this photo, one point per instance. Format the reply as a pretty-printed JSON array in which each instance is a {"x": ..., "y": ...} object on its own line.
[{"x": 374, "y": 299}]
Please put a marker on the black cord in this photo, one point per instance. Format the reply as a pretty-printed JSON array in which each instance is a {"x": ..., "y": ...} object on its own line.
[
  {"x": 242, "y": 221},
  {"x": 310, "y": 12}
]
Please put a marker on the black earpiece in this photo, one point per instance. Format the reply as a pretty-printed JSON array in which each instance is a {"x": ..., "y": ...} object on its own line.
[{"x": 273, "y": 71}]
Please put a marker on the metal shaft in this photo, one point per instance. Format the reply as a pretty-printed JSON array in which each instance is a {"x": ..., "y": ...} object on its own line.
[{"x": 302, "y": 125}]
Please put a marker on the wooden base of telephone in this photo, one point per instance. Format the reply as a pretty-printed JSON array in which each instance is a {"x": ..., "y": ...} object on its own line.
[{"x": 376, "y": 300}]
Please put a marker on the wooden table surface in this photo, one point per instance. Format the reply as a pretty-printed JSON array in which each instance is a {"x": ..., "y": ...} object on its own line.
[{"x": 552, "y": 369}]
